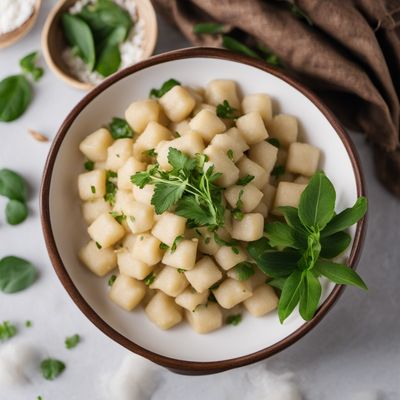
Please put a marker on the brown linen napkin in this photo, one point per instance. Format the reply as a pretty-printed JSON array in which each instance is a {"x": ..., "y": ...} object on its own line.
[{"x": 350, "y": 56}]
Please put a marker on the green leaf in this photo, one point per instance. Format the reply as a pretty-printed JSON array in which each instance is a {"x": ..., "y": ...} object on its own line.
[
  {"x": 234, "y": 45},
  {"x": 317, "y": 202},
  {"x": 166, "y": 195},
  {"x": 16, "y": 274},
  {"x": 109, "y": 60},
  {"x": 111, "y": 187},
  {"x": 224, "y": 110},
  {"x": 278, "y": 170},
  {"x": 141, "y": 179},
  {"x": 7, "y": 330},
  {"x": 16, "y": 212},
  {"x": 165, "y": 87},
  {"x": 28, "y": 65},
  {"x": 339, "y": 273},
  {"x": 346, "y": 218},
  {"x": 189, "y": 208},
  {"x": 120, "y": 129},
  {"x": 177, "y": 240},
  {"x": 335, "y": 244},
  {"x": 244, "y": 270},
  {"x": 13, "y": 185},
  {"x": 177, "y": 159},
  {"x": 15, "y": 97},
  {"x": 245, "y": 180},
  {"x": 278, "y": 263},
  {"x": 290, "y": 295},
  {"x": 292, "y": 218},
  {"x": 79, "y": 36},
  {"x": 309, "y": 296},
  {"x": 277, "y": 282},
  {"x": 72, "y": 341},
  {"x": 149, "y": 279},
  {"x": 282, "y": 235},
  {"x": 234, "y": 319},
  {"x": 89, "y": 165},
  {"x": 51, "y": 368},
  {"x": 274, "y": 141},
  {"x": 210, "y": 28},
  {"x": 258, "y": 247}
]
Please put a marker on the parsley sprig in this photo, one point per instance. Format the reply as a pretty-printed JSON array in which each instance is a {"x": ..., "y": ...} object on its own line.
[
  {"x": 188, "y": 186},
  {"x": 297, "y": 253}
]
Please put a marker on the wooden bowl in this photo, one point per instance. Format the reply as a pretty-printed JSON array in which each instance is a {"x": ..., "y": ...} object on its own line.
[
  {"x": 8, "y": 38},
  {"x": 53, "y": 41}
]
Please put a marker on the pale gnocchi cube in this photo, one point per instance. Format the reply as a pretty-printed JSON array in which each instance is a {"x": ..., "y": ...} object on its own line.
[
  {"x": 123, "y": 201},
  {"x": 141, "y": 112},
  {"x": 302, "y": 159},
  {"x": 184, "y": 256},
  {"x": 207, "y": 244},
  {"x": 269, "y": 195},
  {"x": 259, "y": 278},
  {"x": 129, "y": 241},
  {"x": 140, "y": 217},
  {"x": 302, "y": 179},
  {"x": 227, "y": 257},
  {"x": 131, "y": 166},
  {"x": 252, "y": 128},
  {"x": 118, "y": 153},
  {"x": 223, "y": 164},
  {"x": 177, "y": 103},
  {"x": 258, "y": 102},
  {"x": 99, "y": 261},
  {"x": 228, "y": 144},
  {"x": 143, "y": 195},
  {"x": 129, "y": 266},
  {"x": 262, "y": 209},
  {"x": 171, "y": 281},
  {"x": 127, "y": 292},
  {"x": 92, "y": 209},
  {"x": 105, "y": 230},
  {"x": 189, "y": 298},
  {"x": 92, "y": 185},
  {"x": 153, "y": 134},
  {"x": 95, "y": 145},
  {"x": 231, "y": 292},
  {"x": 287, "y": 194},
  {"x": 263, "y": 301},
  {"x": 147, "y": 249},
  {"x": 207, "y": 124},
  {"x": 197, "y": 94},
  {"x": 248, "y": 195},
  {"x": 284, "y": 128},
  {"x": 264, "y": 154},
  {"x": 249, "y": 167},
  {"x": 250, "y": 228},
  {"x": 182, "y": 127},
  {"x": 204, "y": 106},
  {"x": 168, "y": 227},
  {"x": 163, "y": 311},
  {"x": 238, "y": 138},
  {"x": 205, "y": 319},
  {"x": 219, "y": 90},
  {"x": 204, "y": 274}
]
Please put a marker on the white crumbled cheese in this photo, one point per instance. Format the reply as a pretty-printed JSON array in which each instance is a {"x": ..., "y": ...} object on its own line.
[
  {"x": 131, "y": 49},
  {"x": 13, "y": 13}
]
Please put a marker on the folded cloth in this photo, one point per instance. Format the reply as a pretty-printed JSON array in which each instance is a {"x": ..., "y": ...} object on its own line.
[{"x": 348, "y": 52}]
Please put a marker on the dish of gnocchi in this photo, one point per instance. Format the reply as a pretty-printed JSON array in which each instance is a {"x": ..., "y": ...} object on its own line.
[{"x": 175, "y": 190}]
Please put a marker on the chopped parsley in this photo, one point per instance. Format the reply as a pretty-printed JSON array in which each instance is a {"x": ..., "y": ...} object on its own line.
[
  {"x": 28, "y": 324},
  {"x": 120, "y": 129},
  {"x": 51, "y": 368},
  {"x": 278, "y": 170},
  {"x": 149, "y": 279},
  {"x": 111, "y": 187},
  {"x": 163, "y": 246},
  {"x": 244, "y": 270},
  {"x": 150, "y": 153},
  {"x": 181, "y": 270},
  {"x": 274, "y": 141},
  {"x": 229, "y": 153},
  {"x": 234, "y": 319},
  {"x": 89, "y": 165},
  {"x": 93, "y": 189},
  {"x": 245, "y": 180},
  {"x": 72, "y": 341},
  {"x": 7, "y": 330},
  {"x": 112, "y": 279},
  {"x": 224, "y": 110},
  {"x": 165, "y": 87},
  {"x": 119, "y": 217},
  {"x": 98, "y": 245},
  {"x": 177, "y": 240}
]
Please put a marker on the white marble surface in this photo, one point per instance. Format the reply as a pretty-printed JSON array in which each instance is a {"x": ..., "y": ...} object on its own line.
[{"x": 354, "y": 349}]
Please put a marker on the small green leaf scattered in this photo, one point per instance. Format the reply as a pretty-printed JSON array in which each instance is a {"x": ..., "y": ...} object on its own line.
[
  {"x": 278, "y": 170},
  {"x": 245, "y": 180},
  {"x": 224, "y": 110},
  {"x": 7, "y": 330},
  {"x": 120, "y": 129},
  {"x": 165, "y": 87},
  {"x": 72, "y": 341},
  {"x": 16, "y": 212},
  {"x": 28, "y": 324},
  {"x": 177, "y": 240},
  {"x": 51, "y": 368},
  {"x": 210, "y": 28},
  {"x": 111, "y": 187},
  {"x": 89, "y": 165},
  {"x": 16, "y": 274},
  {"x": 149, "y": 279},
  {"x": 234, "y": 319},
  {"x": 275, "y": 142},
  {"x": 28, "y": 65},
  {"x": 112, "y": 279}
]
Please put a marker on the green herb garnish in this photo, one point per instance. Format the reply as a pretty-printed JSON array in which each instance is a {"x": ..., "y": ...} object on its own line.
[
  {"x": 7, "y": 330},
  {"x": 210, "y": 28},
  {"x": 244, "y": 270},
  {"x": 278, "y": 170},
  {"x": 93, "y": 189},
  {"x": 312, "y": 233},
  {"x": 224, "y": 110},
  {"x": 89, "y": 165},
  {"x": 188, "y": 187},
  {"x": 165, "y": 87},
  {"x": 234, "y": 319},
  {"x": 245, "y": 180},
  {"x": 28, "y": 324},
  {"x": 16, "y": 274},
  {"x": 229, "y": 153},
  {"x": 150, "y": 153},
  {"x": 28, "y": 65},
  {"x": 177, "y": 240},
  {"x": 275, "y": 142},
  {"x": 120, "y": 129},
  {"x": 111, "y": 187},
  {"x": 181, "y": 270},
  {"x": 51, "y": 368},
  {"x": 112, "y": 279},
  {"x": 98, "y": 245},
  {"x": 72, "y": 341},
  {"x": 119, "y": 217},
  {"x": 163, "y": 246},
  {"x": 237, "y": 212},
  {"x": 149, "y": 279}
]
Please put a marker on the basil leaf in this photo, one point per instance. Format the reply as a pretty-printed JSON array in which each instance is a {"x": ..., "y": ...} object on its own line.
[
  {"x": 335, "y": 244},
  {"x": 278, "y": 263},
  {"x": 12, "y": 185},
  {"x": 282, "y": 235},
  {"x": 277, "y": 282},
  {"x": 208, "y": 27},
  {"x": 16, "y": 274},
  {"x": 339, "y": 273},
  {"x": 28, "y": 65},
  {"x": 120, "y": 129},
  {"x": 346, "y": 218},
  {"x": 234, "y": 45},
  {"x": 109, "y": 60},
  {"x": 310, "y": 295},
  {"x": 51, "y": 368},
  {"x": 79, "y": 36},
  {"x": 16, "y": 212},
  {"x": 165, "y": 87},
  {"x": 290, "y": 295},
  {"x": 15, "y": 97},
  {"x": 291, "y": 216},
  {"x": 317, "y": 202},
  {"x": 258, "y": 247}
]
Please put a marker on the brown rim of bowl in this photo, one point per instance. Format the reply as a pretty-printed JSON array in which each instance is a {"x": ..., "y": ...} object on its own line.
[{"x": 182, "y": 366}]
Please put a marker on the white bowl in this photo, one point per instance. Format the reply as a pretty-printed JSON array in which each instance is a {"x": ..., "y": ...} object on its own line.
[{"x": 181, "y": 348}]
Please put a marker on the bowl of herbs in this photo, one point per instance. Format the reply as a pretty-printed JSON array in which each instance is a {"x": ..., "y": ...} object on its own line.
[{"x": 308, "y": 250}]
